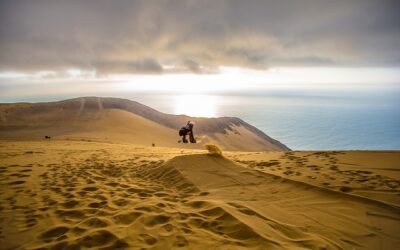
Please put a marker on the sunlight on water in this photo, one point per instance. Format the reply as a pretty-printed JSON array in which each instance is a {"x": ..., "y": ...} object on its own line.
[
  {"x": 195, "y": 105},
  {"x": 324, "y": 120}
]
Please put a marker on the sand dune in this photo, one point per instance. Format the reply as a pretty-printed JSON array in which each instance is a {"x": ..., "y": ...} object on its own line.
[
  {"x": 368, "y": 174},
  {"x": 91, "y": 195},
  {"x": 113, "y": 119}
]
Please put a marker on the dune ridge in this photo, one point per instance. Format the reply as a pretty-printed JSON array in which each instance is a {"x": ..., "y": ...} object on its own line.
[
  {"x": 222, "y": 177},
  {"x": 111, "y": 119}
]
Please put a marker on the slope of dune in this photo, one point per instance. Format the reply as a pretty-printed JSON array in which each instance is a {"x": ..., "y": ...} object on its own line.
[
  {"x": 118, "y": 119},
  {"x": 279, "y": 213},
  {"x": 120, "y": 125},
  {"x": 90, "y": 195},
  {"x": 369, "y": 174}
]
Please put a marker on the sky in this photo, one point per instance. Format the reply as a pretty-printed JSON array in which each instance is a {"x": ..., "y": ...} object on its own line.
[{"x": 48, "y": 47}]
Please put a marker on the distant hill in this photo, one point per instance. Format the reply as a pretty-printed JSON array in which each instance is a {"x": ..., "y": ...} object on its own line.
[{"x": 108, "y": 119}]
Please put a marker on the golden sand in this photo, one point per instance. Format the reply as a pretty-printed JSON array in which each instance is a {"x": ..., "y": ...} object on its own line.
[{"x": 60, "y": 194}]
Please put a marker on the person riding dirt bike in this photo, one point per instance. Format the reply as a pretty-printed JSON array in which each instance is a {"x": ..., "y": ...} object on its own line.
[{"x": 187, "y": 130}]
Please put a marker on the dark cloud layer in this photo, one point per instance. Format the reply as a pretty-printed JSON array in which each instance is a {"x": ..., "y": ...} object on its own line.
[{"x": 196, "y": 36}]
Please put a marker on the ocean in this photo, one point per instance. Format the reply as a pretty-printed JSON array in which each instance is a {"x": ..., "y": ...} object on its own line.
[{"x": 302, "y": 120}]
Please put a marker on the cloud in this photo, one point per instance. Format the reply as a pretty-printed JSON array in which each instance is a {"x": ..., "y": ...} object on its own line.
[
  {"x": 147, "y": 37},
  {"x": 145, "y": 66},
  {"x": 192, "y": 66}
]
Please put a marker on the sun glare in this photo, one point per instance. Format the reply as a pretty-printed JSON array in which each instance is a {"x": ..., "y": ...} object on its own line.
[{"x": 195, "y": 105}]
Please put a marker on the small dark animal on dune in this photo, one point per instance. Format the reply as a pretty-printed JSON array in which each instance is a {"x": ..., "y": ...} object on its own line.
[{"x": 47, "y": 137}]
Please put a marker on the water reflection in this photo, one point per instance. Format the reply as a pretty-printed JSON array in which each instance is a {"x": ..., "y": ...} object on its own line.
[{"x": 196, "y": 105}]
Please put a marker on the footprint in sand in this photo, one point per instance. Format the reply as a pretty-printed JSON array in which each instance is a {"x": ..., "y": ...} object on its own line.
[
  {"x": 31, "y": 218},
  {"x": 345, "y": 189},
  {"x": 13, "y": 183},
  {"x": 334, "y": 168},
  {"x": 101, "y": 238},
  {"x": 161, "y": 194},
  {"x": 314, "y": 167},
  {"x": 120, "y": 202},
  {"x": 112, "y": 184},
  {"x": 95, "y": 222},
  {"x": 90, "y": 189},
  {"x": 25, "y": 170},
  {"x": 70, "y": 214},
  {"x": 181, "y": 241},
  {"x": 127, "y": 217},
  {"x": 267, "y": 164},
  {"x": 288, "y": 172},
  {"x": 100, "y": 197},
  {"x": 148, "y": 239},
  {"x": 392, "y": 184},
  {"x": 155, "y": 220},
  {"x": 97, "y": 204},
  {"x": 54, "y": 233}
]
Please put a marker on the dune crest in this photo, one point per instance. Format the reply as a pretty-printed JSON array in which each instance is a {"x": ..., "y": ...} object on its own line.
[
  {"x": 250, "y": 200},
  {"x": 113, "y": 119}
]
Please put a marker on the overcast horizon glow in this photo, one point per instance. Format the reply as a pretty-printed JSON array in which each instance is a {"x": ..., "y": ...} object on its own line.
[
  {"x": 77, "y": 48},
  {"x": 228, "y": 79}
]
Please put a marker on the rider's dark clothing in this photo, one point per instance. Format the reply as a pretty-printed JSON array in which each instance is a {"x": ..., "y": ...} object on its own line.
[{"x": 187, "y": 130}]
